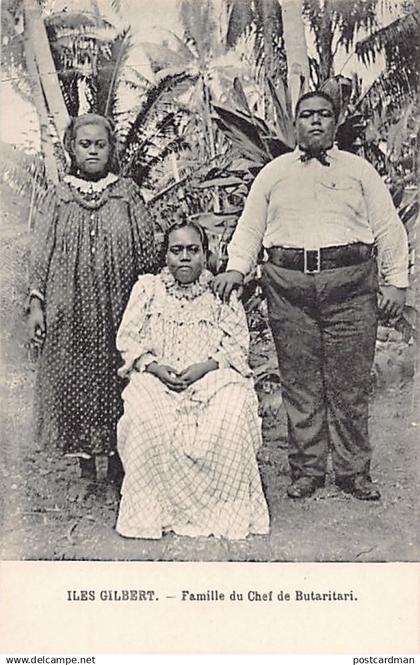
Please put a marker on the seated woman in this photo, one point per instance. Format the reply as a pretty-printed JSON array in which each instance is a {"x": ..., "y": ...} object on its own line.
[{"x": 190, "y": 430}]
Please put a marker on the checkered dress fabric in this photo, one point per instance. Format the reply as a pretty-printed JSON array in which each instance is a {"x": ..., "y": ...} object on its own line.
[{"x": 190, "y": 457}]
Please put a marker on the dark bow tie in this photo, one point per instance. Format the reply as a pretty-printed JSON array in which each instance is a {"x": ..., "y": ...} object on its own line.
[{"x": 321, "y": 156}]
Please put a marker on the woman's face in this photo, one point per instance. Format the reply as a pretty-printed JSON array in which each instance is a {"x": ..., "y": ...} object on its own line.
[
  {"x": 91, "y": 149},
  {"x": 185, "y": 256}
]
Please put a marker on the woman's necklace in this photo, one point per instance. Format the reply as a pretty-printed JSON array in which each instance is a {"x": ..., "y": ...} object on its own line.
[{"x": 186, "y": 291}]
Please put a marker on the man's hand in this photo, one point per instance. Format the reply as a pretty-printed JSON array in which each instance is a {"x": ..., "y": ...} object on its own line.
[
  {"x": 36, "y": 323},
  {"x": 391, "y": 301},
  {"x": 224, "y": 284},
  {"x": 168, "y": 375},
  {"x": 195, "y": 372}
]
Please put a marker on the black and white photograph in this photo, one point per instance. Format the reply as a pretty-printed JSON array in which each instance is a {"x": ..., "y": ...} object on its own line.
[{"x": 208, "y": 282}]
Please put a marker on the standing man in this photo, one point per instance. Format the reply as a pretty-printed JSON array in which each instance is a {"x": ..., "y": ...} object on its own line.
[{"x": 322, "y": 215}]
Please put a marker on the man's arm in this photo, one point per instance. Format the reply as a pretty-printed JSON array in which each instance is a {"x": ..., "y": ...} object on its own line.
[
  {"x": 247, "y": 239},
  {"x": 249, "y": 233},
  {"x": 391, "y": 242}
]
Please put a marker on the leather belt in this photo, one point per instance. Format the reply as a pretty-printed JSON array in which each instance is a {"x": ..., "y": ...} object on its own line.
[{"x": 311, "y": 261}]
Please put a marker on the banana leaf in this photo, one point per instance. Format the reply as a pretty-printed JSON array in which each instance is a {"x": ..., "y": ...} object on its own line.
[
  {"x": 218, "y": 223},
  {"x": 229, "y": 181},
  {"x": 250, "y": 135},
  {"x": 283, "y": 115}
]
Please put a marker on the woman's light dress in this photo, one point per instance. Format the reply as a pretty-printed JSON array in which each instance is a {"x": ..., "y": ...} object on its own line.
[{"x": 189, "y": 457}]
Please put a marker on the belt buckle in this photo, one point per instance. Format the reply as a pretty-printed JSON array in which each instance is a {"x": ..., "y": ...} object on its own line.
[{"x": 311, "y": 261}]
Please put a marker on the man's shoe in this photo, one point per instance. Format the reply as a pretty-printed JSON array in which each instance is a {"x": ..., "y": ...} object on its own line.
[
  {"x": 304, "y": 486},
  {"x": 360, "y": 485}
]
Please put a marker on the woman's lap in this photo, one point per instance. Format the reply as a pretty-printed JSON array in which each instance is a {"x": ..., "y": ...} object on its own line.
[{"x": 195, "y": 468}]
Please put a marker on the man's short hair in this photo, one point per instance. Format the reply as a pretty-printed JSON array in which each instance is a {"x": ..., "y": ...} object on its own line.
[{"x": 317, "y": 93}]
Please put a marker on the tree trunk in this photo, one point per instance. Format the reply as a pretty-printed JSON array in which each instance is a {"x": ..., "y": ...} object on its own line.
[
  {"x": 36, "y": 35},
  {"x": 47, "y": 147},
  {"x": 326, "y": 58},
  {"x": 296, "y": 51},
  {"x": 268, "y": 23}
]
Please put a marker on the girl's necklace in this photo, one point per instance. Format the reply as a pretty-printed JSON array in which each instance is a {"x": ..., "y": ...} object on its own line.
[{"x": 91, "y": 187}]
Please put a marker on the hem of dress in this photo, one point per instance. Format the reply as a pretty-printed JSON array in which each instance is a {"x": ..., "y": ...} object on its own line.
[{"x": 190, "y": 532}]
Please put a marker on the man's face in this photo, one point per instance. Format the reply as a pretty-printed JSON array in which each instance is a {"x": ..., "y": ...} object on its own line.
[{"x": 315, "y": 124}]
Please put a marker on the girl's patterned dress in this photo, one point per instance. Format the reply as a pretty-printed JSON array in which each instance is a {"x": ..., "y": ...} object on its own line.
[
  {"x": 90, "y": 242},
  {"x": 189, "y": 457}
]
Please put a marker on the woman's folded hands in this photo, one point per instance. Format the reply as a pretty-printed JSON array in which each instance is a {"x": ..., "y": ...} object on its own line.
[{"x": 180, "y": 380}]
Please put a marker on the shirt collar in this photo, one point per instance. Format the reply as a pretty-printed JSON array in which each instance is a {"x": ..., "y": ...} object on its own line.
[{"x": 331, "y": 152}]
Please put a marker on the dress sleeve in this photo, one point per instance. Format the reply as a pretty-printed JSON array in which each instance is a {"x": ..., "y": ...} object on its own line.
[
  {"x": 134, "y": 340},
  {"x": 234, "y": 345},
  {"x": 144, "y": 228},
  {"x": 43, "y": 243}
]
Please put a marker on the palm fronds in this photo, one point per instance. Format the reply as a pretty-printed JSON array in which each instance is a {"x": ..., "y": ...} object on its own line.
[
  {"x": 13, "y": 51},
  {"x": 400, "y": 42},
  {"x": 23, "y": 172},
  {"x": 201, "y": 27},
  {"x": 156, "y": 129},
  {"x": 116, "y": 6},
  {"x": 153, "y": 96},
  {"x": 109, "y": 73},
  {"x": 240, "y": 17},
  {"x": 389, "y": 93},
  {"x": 143, "y": 171},
  {"x": 403, "y": 33},
  {"x": 335, "y": 24}
]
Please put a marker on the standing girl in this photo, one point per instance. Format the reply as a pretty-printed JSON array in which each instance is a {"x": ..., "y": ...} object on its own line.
[{"x": 92, "y": 238}]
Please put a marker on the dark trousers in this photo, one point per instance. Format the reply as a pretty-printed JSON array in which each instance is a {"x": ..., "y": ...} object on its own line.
[{"x": 324, "y": 329}]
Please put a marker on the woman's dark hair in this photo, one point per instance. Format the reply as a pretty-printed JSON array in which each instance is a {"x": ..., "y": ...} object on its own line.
[
  {"x": 317, "y": 93},
  {"x": 186, "y": 224},
  {"x": 89, "y": 119}
]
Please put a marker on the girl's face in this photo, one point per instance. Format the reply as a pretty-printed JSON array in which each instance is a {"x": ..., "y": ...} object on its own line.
[
  {"x": 185, "y": 256},
  {"x": 92, "y": 150}
]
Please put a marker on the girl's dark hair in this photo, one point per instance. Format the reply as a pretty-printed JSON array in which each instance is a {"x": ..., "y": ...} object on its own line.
[
  {"x": 186, "y": 224},
  {"x": 317, "y": 93},
  {"x": 90, "y": 119}
]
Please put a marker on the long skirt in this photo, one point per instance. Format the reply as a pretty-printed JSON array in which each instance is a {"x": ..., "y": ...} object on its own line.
[{"x": 190, "y": 458}]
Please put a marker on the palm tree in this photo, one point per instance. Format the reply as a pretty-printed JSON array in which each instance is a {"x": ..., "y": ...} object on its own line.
[
  {"x": 335, "y": 24},
  {"x": 26, "y": 57},
  {"x": 295, "y": 45},
  {"x": 205, "y": 54},
  {"x": 391, "y": 105},
  {"x": 396, "y": 86},
  {"x": 155, "y": 131}
]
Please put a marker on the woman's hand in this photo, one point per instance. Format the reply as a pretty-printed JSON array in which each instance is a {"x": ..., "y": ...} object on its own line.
[
  {"x": 168, "y": 375},
  {"x": 195, "y": 372},
  {"x": 36, "y": 322}
]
